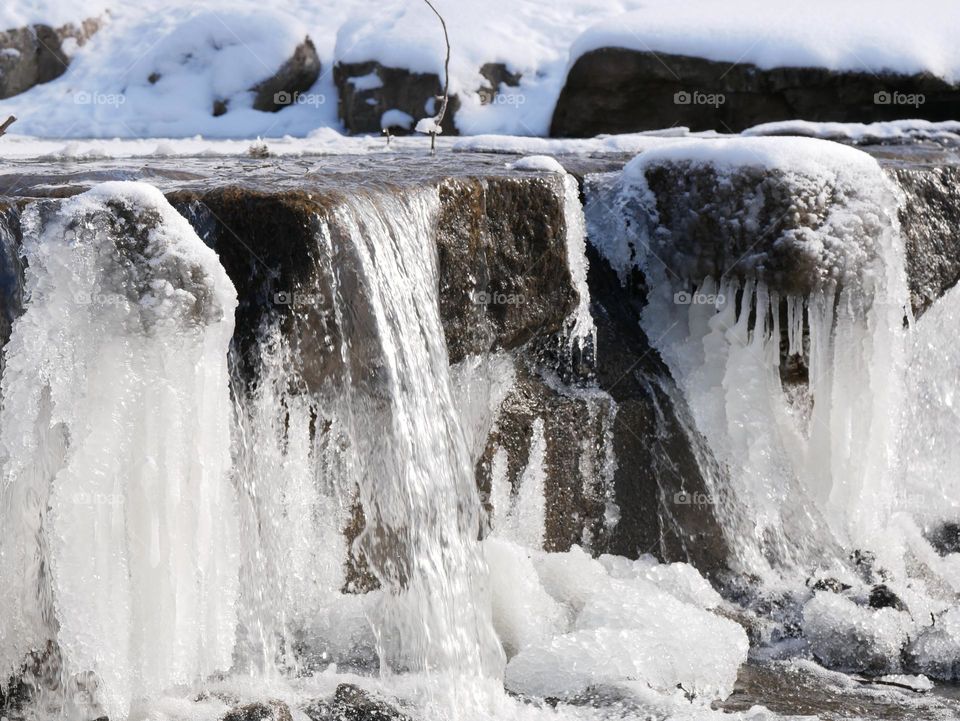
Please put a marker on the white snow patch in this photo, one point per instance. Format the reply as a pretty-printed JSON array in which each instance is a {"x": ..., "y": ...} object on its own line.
[
  {"x": 541, "y": 163},
  {"x": 396, "y": 119}
]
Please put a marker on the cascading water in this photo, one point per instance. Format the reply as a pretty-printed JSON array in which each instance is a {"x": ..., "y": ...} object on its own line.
[{"x": 389, "y": 434}]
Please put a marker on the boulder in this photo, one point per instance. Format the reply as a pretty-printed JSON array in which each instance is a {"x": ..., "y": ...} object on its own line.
[
  {"x": 615, "y": 90},
  {"x": 35, "y": 54},
  {"x": 352, "y": 703},
  {"x": 297, "y": 75},
  {"x": 496, "y": 74},
  {"x": 367, "y": 90}
]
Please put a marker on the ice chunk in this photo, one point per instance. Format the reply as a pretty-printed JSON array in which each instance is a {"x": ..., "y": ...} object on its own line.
[{"x": 847, "y": 636}]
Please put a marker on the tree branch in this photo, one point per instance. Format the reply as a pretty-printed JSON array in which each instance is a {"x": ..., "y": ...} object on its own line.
[
  {"x": 438, "y": 119},
  {"x": 6, "y": 124}
]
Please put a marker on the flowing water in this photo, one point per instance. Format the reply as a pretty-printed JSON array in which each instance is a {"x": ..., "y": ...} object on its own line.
[{"x": 180, "y": 536}]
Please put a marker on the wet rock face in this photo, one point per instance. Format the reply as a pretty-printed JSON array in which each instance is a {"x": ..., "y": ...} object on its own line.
[
  {"x": 663, "y": 498},
  {"x": 268, "y": 244},
  {"x": 33, "y": 55},
  {"x": 576, "y": 462},
  {"x": 614, "y": 90},
  {"x": 297, "y": 75},
  {"x": 502, "y": 267},
  {"x": 930, "y": 224},
  {"x": 504, "y": 277},
  {"x": 11, "y": 270},
  {"x": 367, "y": 90}
]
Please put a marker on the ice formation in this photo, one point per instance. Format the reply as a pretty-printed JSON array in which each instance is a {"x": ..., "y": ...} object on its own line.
[
  {"x": 809, "y": 462},
  {"x": 120, "y": 535},
  {"x": 829, "y": 409}
]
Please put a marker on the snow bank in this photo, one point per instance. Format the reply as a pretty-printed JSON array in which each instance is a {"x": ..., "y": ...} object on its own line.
[
  {"x": 569, "y": 622},
  {"x": 861, "y": 35},
  {"x": 861, "y": 132},
  {"x": 161, "y": 73},
  {"x": 215, "y": 50},
  {"x": 539, "y": 163},
  {"x": 794, "y": 155}
]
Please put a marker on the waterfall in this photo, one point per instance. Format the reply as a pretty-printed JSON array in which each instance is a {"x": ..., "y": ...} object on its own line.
[
  {"x": 389, "y": 434},
  {"x": 188, "y": 527},
  {"x": 119, "y": 546}
]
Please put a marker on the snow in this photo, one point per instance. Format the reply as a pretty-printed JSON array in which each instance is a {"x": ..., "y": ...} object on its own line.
[
  {"x": 542, "y": 163},
  {"x": 50, "y": 12},
  {"x": 370, "y": 81},
  {"x": 861, "y": 35},
  {"x": 396, "y": 119},
  {"x": 795, "y": 155},
  {"x": 428, "y": 126},
  {"x": 861, "y": 132},
  {"x": 216, "y": 50}
]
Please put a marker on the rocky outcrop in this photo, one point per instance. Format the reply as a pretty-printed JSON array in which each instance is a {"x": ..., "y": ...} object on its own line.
[
  {"x": 574, "y": 429},
  {"x": 615, "y": 90},
  {"x": 930, "y": 223},
  {"x": 33, "y": 55},
  {"x": 664, "y": 501},
  {"x": 367, "y": 90},
  {"x": 497, "y": 238},
  {"x": 296, "y": 76}
]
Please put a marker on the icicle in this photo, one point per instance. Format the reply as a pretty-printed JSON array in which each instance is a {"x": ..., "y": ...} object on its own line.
[
  {"x": 795, "y": 308},
  {"x": 527, "y": 517},
  {"x": 582, "y": 332}
]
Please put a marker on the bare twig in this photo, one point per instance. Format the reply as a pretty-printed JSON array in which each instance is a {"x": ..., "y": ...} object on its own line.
[
  {"x": 438, "y": 119},
  {"x": 6, "y": 124}
]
